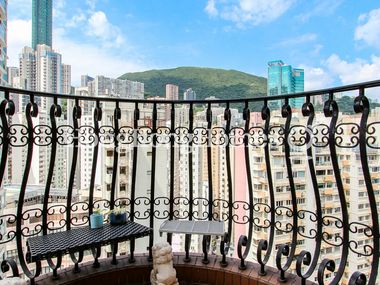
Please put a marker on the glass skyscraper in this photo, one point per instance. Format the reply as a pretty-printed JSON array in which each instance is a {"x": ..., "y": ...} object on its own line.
[
  {"x": 42, "y": 22},
  {"x": 283, "y": 79}
]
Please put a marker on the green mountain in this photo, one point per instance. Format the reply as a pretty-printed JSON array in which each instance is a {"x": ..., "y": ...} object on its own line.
[{"x": 205, "y": 82}]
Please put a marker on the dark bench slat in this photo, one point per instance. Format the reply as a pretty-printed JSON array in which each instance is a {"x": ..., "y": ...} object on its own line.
[{"x": 82, "y": 238}]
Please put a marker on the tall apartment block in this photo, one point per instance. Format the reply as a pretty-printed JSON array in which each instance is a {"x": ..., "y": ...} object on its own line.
[
  {"x": 42, "y": 23},
  {"x": 104, "y": 86},
  {"x": 284, "y": 79},
  {"x": 171, "y": 92},
  {"x": 3, "y": 42},
  {"x": 189, "y": 94}
]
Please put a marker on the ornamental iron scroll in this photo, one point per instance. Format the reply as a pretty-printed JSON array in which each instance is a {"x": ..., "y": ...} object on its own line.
[{"x": 281, "y": 137}]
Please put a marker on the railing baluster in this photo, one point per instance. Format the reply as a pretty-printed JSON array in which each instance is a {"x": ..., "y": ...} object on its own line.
[
  {"x": 7, "y": 107},
  {"x": 209, "y": 160},
  {"x": 305, "y": 258},
  {"x": 264, "y": 244},
  {"x": 31, "y": 111},
  {"x": 172, "y": 160},
  {"x": 227, "y": 118},
  {"x": 117, "y": 117},
  {"x": 97, "y": 117},
  {"x": 153, "y": 179},
  {"x": 244, "y": 240},
  {"x": 331, "y": 109},
  {"x": 190, "y": 166},
  {"x": 55, "y": 112},
  {"x": 284, "y": 249},
  {"x": 77, "y": 114},
  {"x": 362, "y": 106},
  {"x": 136, "y": 118}
]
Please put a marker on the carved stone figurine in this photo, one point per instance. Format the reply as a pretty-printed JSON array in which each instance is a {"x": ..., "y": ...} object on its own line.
[{"x": 163, "y": 272}]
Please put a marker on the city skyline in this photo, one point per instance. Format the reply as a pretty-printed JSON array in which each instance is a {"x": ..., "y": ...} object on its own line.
[{"x": 213, "y": 34}]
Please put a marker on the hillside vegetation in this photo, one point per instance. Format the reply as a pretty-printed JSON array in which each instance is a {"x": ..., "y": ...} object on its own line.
[{"x": 205, "y": 82}]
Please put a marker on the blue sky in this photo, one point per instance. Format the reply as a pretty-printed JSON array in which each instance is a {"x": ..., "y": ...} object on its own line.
[{"x": 336, "y": 41}]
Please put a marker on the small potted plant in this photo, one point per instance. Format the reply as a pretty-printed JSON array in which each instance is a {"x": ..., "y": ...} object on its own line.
[
  {"x": 96, "y": 219},
  {"x": 118, "y": 216}
]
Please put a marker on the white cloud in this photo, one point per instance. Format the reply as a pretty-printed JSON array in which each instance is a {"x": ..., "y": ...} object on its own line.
[
  {"x": 76, "y": 20},
  {"x": 369, "y": 27},
  {"x": 101, "y": 28},
  {"x": 253, "y": 12},
  {"x": 91, "y": 4},
  {"x": 19, "y": 9},
  {"x": 94, "y": 60},
  {"x": 357, "y": 71},
  {"x": 84, "y": 58},
  {"x": 211, "y": 8},
  {"x": 19, "y": 35},
  {"x": 321, "y": 8},
  {"x": 316, "y": 78},
  {"x": 305, "y": 38}
]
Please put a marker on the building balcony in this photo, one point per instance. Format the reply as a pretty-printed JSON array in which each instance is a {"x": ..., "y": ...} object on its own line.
[{"x": 293, "y": 237}]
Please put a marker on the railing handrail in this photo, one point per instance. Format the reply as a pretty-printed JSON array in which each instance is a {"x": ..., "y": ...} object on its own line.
[{"x": 332, "y": 90}]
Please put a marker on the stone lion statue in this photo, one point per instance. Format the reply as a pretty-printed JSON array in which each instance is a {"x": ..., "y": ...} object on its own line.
[{"x": 163, "y": 272}]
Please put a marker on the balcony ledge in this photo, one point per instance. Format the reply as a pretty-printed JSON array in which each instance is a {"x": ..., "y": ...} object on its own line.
[{"x": 194, "y": 272}]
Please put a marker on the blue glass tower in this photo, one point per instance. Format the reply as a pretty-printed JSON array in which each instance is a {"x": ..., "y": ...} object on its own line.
[
  {"x": 42, "y": 22},
  {"x": 283, "y": 79}
]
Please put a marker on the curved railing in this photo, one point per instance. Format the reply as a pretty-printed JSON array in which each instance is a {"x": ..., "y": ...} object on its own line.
[{"x": 298, "y": 188}]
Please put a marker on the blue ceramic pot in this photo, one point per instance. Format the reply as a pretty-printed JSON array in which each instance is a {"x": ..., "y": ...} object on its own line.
[
  {"x": 96, "y": 221},
  {"x": 118, "y": 219}
]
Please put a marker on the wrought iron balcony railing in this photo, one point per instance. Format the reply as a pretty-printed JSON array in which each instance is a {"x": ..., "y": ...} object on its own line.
[{"x": 298, "y": 188}]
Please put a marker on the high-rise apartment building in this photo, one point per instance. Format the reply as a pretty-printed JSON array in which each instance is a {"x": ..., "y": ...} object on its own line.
[
  {"x": 42, "y": 70},
  {"x": 104, "y": 86},
  {"x": 48, "y": 69},
  {"x": 189, "y": 94},
  {"x": 85, "y": 79},
  {"x": 171, "y": 92},
  {"x": 27, "y": 60},
  {"x": 66, "y": 78},
  {"x": 42, "y": 22},
  {"x": 3, "y": 43},
  {"x": 13, "y": 72},
  {"x": 283, "y": 79}
]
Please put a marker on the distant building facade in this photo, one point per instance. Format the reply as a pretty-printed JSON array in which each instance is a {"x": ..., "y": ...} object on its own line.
[
  {"x": 171, "y": 92},
  {"x": 104, "y": 86},
  {"x": 283, "y": 79},
  {"x": 85, "y": 79},
  {"x": 42, "y": 22},
  {"x": 189, "y": 94}
]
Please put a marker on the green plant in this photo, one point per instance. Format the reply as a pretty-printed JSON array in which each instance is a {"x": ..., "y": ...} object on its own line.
[
  {"x": 117, "y": 211},
  {"x": 97, "y": 211}
]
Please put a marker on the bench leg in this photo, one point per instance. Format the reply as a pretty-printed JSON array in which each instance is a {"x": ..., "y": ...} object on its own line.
[
  {"x": 224, "y": 247},
  {"x": 96, "y": 254},
  {"x": 187, "y": 248},
  {"x": 206, "y": 247},
  {"x": 132, "y": 251},
  {"x": 114, "y": 248},
  {"x": 76, "y": 260}
]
